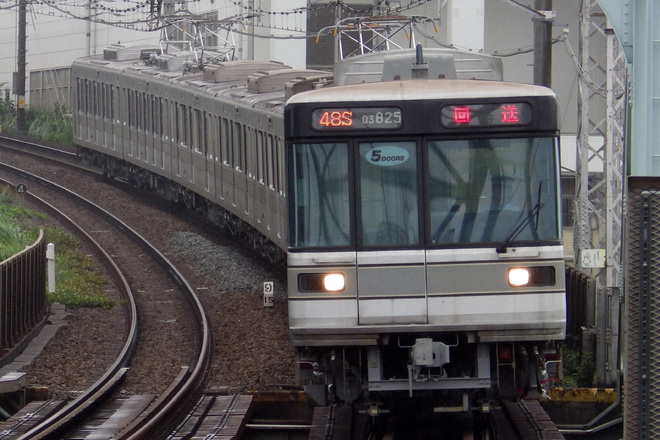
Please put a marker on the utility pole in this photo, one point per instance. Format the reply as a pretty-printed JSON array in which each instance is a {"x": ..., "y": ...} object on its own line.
[
  {"x": 543, "y": 43},
  {"x": 19, "y": 83}
]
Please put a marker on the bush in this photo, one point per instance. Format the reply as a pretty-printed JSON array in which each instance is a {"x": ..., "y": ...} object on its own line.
[
  {"x": 579, "y": 369},
  {"x": 46, "y": 125},
  {"x": 13, "y": 239},
  {"x": 7, "y": 113},
  {"x": 50, "y": 126}
]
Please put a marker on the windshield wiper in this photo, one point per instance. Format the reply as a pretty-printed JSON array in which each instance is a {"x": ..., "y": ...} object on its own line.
[{"x": 501, "y": 249}]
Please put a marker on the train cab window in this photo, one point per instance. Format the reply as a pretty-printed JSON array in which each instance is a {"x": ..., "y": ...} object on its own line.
[
  {"x": 492, "y": 190},
  {"x": 319, "y": 195},
  {"x": 388, "y": 194}
]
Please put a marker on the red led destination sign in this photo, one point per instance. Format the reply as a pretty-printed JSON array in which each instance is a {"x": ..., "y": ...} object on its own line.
[
  {"x": 376, "y": 118},
  {"x": 486, "y": 115}
]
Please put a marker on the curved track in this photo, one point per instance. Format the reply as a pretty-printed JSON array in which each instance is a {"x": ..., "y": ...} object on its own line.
[{"x": 187, "y": 386}]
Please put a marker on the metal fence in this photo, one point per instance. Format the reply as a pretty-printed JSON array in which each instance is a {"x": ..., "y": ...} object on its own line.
[
  {"x": 50, "y": 88},
  {"x": 23, "y": 301},
  {"x": 641, "y": 344}
]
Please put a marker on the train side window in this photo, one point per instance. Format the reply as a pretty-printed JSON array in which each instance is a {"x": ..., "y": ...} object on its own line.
[
  {"x": 148, "y": 109},
  {"x": 138, "y": 110},
  {"x": 281, "y": 164},
  {"x": 206, "y": 135},
  {"x": 80, "y": 94},
  {"x": 155, "y": 115},
  {"x": 237, "y": 147},
  {"x": 114, "y": 97},
  {"x": 271, "y": 163},
  {"x": 189, "y": 126},
  {"x": 170, "y": 108},
  {"x": 196, "y": 133},
  {"x": 103, "y": 102},
  {"x": 216, "y": 138},
  {"x": 226, "y": 140},
  {"x": 162, "y": 116},
  {"x": 107, "y": 101},
  {"x": 141, "y": 110},
  {"x": 100, "y": 98},
  {"x": 259, "y": 171},
  {"x": 135, "y": 120},
  {"x": 182, "y": 125},
  {"x": 86, "y": 93},
  {"x": 250, "y": 152},
  {"x": 245, "y": 146},
  {"x": 95, "y": 98},
  {"x": 130, "y": 108}
]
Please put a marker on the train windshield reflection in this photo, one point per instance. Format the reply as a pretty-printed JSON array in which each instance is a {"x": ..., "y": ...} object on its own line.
[
  {"x": 319, "y": 214},
  {"x": 389, "y": 209},
  {"x": 483, "y": 190}
]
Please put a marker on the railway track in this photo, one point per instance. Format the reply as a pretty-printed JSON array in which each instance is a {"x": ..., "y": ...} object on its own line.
[{"x": 163, "y": 411}]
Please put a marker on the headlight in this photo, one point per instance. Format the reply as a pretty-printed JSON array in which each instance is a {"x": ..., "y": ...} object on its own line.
[
  {"x": 321, "y": 282},
  {"x": 334, "y": 282},
  {"x": 518, "y": 277},
  {"x": 532, "y": 276}
]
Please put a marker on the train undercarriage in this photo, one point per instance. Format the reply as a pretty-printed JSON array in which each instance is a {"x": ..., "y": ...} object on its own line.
[{"x": 451, "y": 374}]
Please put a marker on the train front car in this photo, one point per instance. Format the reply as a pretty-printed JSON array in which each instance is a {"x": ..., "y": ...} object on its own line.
[{"x": 425, "y": 244}]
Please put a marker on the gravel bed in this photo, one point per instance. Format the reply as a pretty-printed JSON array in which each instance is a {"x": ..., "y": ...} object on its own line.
[{"x": 252, "y": 348}]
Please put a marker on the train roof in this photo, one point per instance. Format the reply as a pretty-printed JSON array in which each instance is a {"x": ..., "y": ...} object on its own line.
[
  {"x": 381, "y": 76},
  {"x": 421, "y": 89}
]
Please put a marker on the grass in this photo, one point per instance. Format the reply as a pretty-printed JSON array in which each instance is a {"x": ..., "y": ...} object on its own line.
[
  {"x": 13, "y": 237},
  {"x": 77, "y": 283}
]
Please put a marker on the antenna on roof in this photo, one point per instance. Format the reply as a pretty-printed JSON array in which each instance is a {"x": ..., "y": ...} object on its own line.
[{"x": 420, "y": 69}]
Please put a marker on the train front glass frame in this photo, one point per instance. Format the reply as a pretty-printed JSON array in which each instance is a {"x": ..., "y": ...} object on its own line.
[{"x": 425, "y": 192}]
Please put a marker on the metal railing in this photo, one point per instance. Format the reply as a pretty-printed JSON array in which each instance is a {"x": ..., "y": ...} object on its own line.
[{"x": 23, "y": 300}]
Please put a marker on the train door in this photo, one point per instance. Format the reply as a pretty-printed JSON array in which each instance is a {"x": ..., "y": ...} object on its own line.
[{"x": 391, "y": 263}]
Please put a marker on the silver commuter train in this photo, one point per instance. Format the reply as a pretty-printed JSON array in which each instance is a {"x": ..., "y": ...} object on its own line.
[{"x": 424, "y": 198}]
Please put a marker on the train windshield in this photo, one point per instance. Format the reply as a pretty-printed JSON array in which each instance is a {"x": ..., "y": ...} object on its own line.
[
  {"x": 371, "y": 194},
  {"x": 319, "y": 189},
  {"x": 389, "y": 202},
  {"x": 493, "y": 190}
]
